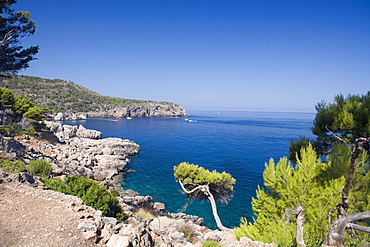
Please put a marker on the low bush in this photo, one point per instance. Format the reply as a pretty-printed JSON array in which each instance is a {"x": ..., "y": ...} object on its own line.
[
  {"x": 92, "y": 194},
  {"x": 40, "y": 167},
  {"x": 144, "y": 214},
  {"x": 12, "y": 167},
  {"x": 10, "y": 130},
  {"x": 211, "y": 244},
  {"x": 188, "y": 230}
]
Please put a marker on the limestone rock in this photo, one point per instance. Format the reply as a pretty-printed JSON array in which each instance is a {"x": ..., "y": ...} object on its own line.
[
  {"x": 3, "y": 174},
  {"x": 86, "y": 226},
  {"x": 59, "y": 117},
  {"x": 159, "y": 206},
  {"x": 13, "y": 148},
  {"x": 118, "y": 241},
  {"x": 87, "y": 133},
  {"x": 148, "y": 110},
  {"x": 23, "y": 178}
]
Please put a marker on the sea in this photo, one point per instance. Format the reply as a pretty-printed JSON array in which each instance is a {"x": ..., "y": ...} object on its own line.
[{"x": 238, "y": 142}]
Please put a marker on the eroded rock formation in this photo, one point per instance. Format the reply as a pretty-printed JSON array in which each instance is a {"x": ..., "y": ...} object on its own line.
[{"x": 148, "y": 110}]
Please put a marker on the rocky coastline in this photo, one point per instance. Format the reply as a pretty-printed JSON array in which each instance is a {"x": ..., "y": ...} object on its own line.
[
  {"x": 75, "y": 150},
  {"x": 148, "y": 110}
]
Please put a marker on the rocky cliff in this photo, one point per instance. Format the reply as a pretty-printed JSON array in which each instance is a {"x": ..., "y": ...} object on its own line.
[
  {"x": 148, "y": 110},
  {"x": 76, "y": 101}
]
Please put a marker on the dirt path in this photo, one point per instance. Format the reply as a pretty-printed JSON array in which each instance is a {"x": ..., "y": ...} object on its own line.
[{"x": 34, "y": 217}]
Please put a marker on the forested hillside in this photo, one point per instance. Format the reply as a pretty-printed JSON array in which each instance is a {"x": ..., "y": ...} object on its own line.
[{"x": 65, "y": 96}]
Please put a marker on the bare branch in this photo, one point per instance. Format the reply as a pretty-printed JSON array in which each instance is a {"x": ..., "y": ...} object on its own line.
[
  {"x": 343, "y": 221},
  {"x": 200, "y": 187},
  {"x": 358, "y": 227},
  {"x": 329, "y": 215},
  {"x": 359, "y": 216},
  {"x": 7, "y": 37},
  {"x": 288, "y": 212},
  {"x": 300, "y": 220},
  {"x": 337, "y": 137}
]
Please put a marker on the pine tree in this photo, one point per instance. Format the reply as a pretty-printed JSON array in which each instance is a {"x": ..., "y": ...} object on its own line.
[
  {"x": 312, "y": 183},
  {"x": 200, "y": 183}
]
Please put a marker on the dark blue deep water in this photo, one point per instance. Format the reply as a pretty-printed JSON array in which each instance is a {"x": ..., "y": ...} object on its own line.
[{"x": 237, "y": 142}]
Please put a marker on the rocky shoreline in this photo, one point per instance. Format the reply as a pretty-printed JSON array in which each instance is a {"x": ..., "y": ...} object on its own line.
[
  {"x": 74, "y": 150},
  {"x": 148, "y": 110}
]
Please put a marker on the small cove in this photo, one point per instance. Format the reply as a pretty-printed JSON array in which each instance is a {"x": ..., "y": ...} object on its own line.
[{"x": 236, "y": 142}]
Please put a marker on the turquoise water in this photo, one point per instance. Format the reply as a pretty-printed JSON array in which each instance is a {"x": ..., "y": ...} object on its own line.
[{"x": 236, "y": 142}]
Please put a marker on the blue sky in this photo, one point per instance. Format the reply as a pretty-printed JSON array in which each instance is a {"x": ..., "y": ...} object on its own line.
[{"x": 202, "y": 54}]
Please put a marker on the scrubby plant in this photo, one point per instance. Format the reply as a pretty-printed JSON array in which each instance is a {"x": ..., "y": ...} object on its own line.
[
  {"x": 12, "y": 166},
  {"x": 211, "y": 244},
  {"x": 114, "y": 193},
  {"x": 40, "y": 167},
  {"x": 10, "y": 130},
  {"x": 92, "y": 194},
  {"x": 144, "y": 214},
  {"x": 188, "y": 230}
]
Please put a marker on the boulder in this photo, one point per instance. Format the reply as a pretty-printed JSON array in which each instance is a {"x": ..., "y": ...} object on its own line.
[
  {"x": 3, "y": 174},
  {"x": 86, "y": 226},
  {"x": 88, "y": 133},
  {"x": 59, "y": 117},
  {"x": 22, "y": 178},
  {"x": 158, "y": 206},
  {"x": 118, "y": 241}
]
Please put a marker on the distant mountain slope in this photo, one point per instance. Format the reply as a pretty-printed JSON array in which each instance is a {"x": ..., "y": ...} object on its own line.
[{"x": 68, "y": 97}]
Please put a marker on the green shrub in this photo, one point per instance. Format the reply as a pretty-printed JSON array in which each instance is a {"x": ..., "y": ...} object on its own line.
[
  {"x": 114, "y": 193},
  {"x": 12, "y": 167},
  {"x": 10, "y": 130},
  {"x": 39, "y": 167},
  {"x": 211, "y": 244},
  {"x": 92, "y": 194}
]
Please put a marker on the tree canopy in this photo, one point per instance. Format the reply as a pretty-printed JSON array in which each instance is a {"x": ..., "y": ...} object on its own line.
[
  {"x": 15, "y": 108},
  {"x": 347, "y": 118},
  {"x": 200, "y": 183},
  {"x": 13, "y": 27},
  {"x": 312, "y": 183}
]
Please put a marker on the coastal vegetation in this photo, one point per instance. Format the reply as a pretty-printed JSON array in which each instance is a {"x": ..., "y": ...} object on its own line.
[
  {"x": 211, "y": 244},
  {"x": 200, "y": 183},
  {"x": 92, "y": 194},
  {"x": 328, "y": 188},
  {"x": 66, "y": 96},
  {"x": 346, "y": 118},
  {"x": 19, "y": 115},
  {"x": 12, "y": 166},
  {"x": 39, "y": 167},
  {"x": 13, "y": 27}
]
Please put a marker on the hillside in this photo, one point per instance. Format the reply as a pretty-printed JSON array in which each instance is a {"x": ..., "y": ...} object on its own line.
[{"x": 67, "y": 97}]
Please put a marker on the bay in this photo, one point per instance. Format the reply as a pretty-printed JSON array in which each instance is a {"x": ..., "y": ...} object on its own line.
[{"x": 238, "y": 142}]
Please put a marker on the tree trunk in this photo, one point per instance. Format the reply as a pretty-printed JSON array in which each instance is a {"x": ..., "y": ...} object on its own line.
[
  {"x": 214, "y": 209},
  {"x": 299, "y": 236},
  {"x": 336, "y": 233},
  {"x": 207, "y": 192},
  {"x": 300, "y": 223}
]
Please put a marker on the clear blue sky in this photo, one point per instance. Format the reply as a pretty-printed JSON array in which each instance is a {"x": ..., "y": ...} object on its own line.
[{"x": 206, "y": 54}]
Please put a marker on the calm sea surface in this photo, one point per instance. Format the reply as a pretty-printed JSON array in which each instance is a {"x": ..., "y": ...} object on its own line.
[{"x": 237, "y": 142}]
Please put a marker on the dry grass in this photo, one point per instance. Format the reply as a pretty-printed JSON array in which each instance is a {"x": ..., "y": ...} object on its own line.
[{"x": 144, "y": 214}]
